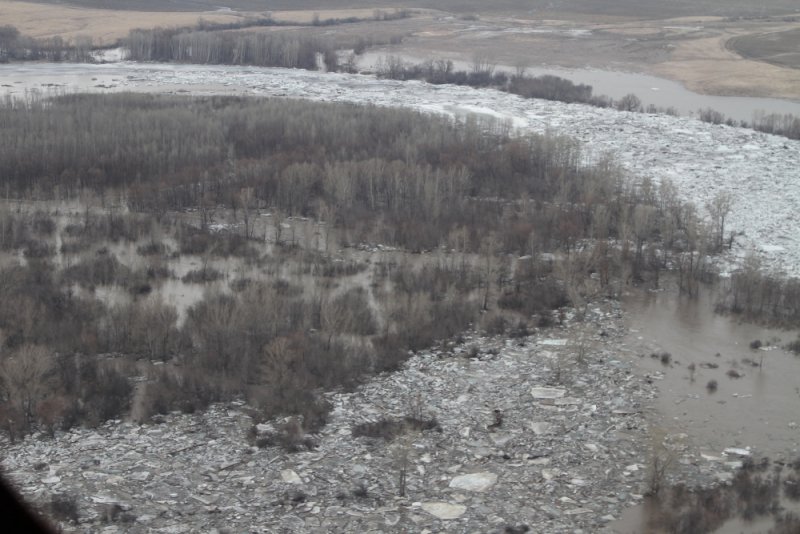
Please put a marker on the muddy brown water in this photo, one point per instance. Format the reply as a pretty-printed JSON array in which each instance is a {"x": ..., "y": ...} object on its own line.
[{"x": 760, "y": 410}]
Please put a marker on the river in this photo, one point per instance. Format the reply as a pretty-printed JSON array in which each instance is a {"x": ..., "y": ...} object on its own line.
[{"x": 660, "y": 92}]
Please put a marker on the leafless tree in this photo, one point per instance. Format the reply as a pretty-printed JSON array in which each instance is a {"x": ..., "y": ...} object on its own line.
[
  {"x": 719, "y": 208},
  {"x": 25, "y": 378}
]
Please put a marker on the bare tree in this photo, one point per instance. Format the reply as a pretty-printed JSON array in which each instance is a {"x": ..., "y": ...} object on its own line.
[
  {"x": 482, "y": 63},
  {"x": 245, "y": 200},
  {"x": 719, "y": 208},
  {"x": 25, "y": 379},
  {"x": 629, "y": 102}
]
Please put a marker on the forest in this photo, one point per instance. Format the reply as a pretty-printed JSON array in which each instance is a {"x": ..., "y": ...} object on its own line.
[{"x": 163, "y": 253}]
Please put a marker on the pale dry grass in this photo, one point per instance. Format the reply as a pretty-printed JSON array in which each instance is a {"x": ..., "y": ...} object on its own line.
[
  {"x": 707, "y": 66},
  {"x": 104, "y": 26}
]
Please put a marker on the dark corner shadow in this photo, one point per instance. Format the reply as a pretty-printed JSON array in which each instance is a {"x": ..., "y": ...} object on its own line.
[{"x": 19, "y": 516}]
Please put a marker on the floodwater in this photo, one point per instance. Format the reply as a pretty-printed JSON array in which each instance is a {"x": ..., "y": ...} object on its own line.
[
  {"x": 759, "y": 411},
  {"x": 659, "y": 92},
  {"x": 17, "y": 78},
  {"x": 636, "y": 521}
]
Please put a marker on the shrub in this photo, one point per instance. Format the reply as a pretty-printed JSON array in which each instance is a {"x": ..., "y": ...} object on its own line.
[
  {"x": 39, "y": 249},
  {"x": 360, "y": 491},
  {"x": 102, "y": 269},
  {"x": 389, "y": 429},
  {"x": 202, "y": 276},
  {"x": 289, "y": 436},
  {"x": 63, "y": 508},
  {"x": 152, "y": 248},
  {"x": 791, "y": 487},
  {"x": 189, "y": 391},
  {"x": 43, "y": 224}
]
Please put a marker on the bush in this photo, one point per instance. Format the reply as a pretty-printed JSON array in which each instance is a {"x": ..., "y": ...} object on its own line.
[
  {"x": 63, "y": 508},
  {"x": 202, "y": 276},
  {"x": 360, "y": 491},
  {"x": 43, "y": 224},
  {"x": 187, "y": 391},
  {"x": 389, "y": 429},
  {"x": 153, "y": 248},
  {"x": 791, "y": 487},
  {"x": 629, "y": 102},
  {"x": 39, "y": 249},
  {"x": 102, "y": 269},
  {"x": 290, "y": 437}
]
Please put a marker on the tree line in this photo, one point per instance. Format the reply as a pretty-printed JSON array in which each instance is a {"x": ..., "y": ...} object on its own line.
[
  {"x": 785, "y": 125},
  {"x": 483, "y": 74},
  {"x": 15, "y": 46},
  {"x": 273, "y": 49}
]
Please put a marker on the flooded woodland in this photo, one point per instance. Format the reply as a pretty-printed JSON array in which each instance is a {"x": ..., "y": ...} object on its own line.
[{"x": 161, "y": 255}]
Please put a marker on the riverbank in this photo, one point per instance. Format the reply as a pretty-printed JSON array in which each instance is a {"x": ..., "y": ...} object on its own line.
[
  {"x": 556, "y": 431},
  {"x": 570, "y": 451}
]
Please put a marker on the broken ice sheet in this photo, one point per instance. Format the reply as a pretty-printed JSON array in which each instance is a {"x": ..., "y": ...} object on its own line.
[{"x": 547, "y": 393}]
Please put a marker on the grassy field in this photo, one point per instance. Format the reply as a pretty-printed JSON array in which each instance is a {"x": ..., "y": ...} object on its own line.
[
  {"x": 711, "y": 65},
  {"x": 103, "y": 25}
]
